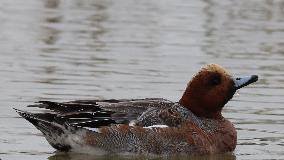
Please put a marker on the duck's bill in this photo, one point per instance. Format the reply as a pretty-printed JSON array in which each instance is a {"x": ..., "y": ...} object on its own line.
[{"x": 244, "y": 81}]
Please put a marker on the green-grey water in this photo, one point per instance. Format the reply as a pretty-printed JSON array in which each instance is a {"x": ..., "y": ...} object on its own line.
[{"x": 63, "y": 50}]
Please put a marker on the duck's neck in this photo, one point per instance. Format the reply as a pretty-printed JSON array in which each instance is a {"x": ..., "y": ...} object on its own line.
[{"x": 199, "y": 108}]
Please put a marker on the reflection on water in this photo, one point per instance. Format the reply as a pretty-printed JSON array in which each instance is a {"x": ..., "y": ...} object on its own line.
[
  {"x": 74, "y": 156},
  {"x": 65, "y": 50}
]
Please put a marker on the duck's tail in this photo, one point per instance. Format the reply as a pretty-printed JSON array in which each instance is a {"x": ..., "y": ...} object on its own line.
[{"x": 57, "y": 132}]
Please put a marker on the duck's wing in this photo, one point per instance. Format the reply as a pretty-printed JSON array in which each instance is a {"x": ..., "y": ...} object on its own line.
[{"x": 98, "y": 113}]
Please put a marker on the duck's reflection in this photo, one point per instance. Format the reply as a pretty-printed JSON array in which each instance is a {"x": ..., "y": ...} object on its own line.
[{"x": 77, "y": 156}]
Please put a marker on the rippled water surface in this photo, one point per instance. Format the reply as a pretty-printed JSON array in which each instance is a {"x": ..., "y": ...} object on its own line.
[{"x": 68, "y": 49}]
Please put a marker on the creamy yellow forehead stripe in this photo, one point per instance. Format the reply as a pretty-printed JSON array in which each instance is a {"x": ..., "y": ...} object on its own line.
[{"x": 216, "y": 68}]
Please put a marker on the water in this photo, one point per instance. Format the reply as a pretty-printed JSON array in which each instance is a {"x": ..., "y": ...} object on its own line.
[{"x": 87, "y": 49}]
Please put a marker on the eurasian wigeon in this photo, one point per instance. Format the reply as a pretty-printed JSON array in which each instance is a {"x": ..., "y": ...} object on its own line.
[{"x": 194, "y": 125}]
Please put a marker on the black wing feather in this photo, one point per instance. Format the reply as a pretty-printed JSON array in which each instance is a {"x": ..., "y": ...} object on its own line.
[{"x": 97, "y": 113}]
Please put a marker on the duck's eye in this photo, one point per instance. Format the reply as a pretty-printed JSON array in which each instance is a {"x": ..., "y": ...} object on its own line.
[{"x": 215, "y": 80}]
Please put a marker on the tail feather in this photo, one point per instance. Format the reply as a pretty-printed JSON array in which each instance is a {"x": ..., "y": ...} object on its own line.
[
  {"x": 53, "y": 130},
  {"x": 35, "y": 117}
]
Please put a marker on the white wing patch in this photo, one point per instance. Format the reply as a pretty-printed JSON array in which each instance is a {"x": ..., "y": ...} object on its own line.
[
  {"x": 93, "y": 129},
  {"x": 157, "y": 126},
  {"x": 132, "y": 123}
]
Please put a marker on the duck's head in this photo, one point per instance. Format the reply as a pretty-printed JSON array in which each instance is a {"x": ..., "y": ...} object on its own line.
[{"x": 210, "y": 89}]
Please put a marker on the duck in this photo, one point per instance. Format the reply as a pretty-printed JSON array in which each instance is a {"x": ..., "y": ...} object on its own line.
[{"x": 194, "y": 125}]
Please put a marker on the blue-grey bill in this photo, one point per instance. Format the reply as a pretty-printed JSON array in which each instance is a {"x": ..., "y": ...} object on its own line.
[{"x": 244, "y": 81}]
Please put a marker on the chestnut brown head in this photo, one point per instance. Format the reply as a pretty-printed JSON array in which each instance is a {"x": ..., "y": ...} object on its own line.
[{"x": 210, "y": 89}]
